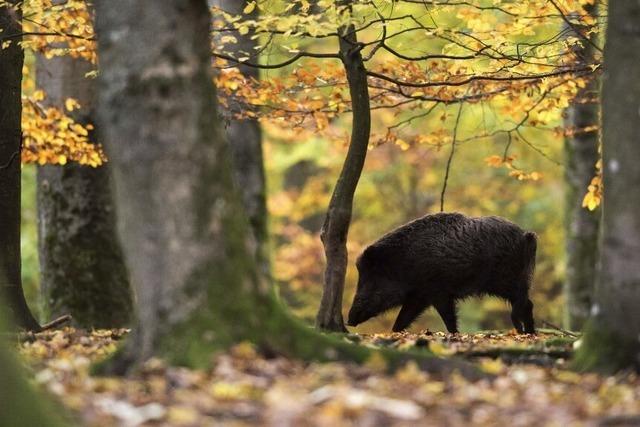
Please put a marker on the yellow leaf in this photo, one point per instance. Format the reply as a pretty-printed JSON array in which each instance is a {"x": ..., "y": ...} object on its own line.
[
  {"x": 376, "y": 362},
  {"x": 182, "y": 415},
  {"x": 249, "y": 7},
  {"x": 439, "y": 349},
  {"x": 492, "y": 366},
  {"x": 70, "y": 104},
  {"x": 38, "y": 95}
]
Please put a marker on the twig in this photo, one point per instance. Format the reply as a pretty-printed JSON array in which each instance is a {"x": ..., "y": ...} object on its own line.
[
  {"x": 559, "y": 329},
  {"x": 13, "y": 156},
  {"x": 56, "y": 322},
  {"x": 506, "y": 148},
  {"x": 574, "y": 28},
  {"x": 278, "y": 65}
]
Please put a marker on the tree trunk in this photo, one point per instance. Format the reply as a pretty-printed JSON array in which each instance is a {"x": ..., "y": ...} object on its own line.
[
  {"x": 336, "y": 225},
  {"x": 82, "y": 270},
  {"x": 11, "y": 59},
  {"x": 181, "y": 221},
  {"x": 245, "y": 139},
  {"x": 611, "y": 340},
  {"x": 581, "y": 154}
]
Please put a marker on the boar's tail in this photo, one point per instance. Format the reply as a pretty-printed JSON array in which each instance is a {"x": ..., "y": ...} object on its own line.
[{"x": 529, "y": 255}]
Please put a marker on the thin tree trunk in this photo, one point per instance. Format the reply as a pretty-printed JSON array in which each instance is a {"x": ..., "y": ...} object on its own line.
[
  {"x": 612, "y": 336},
  {"x": 581, "y": 154},
  {"x": 181, "y": 221},
  {"x": 82, "y": 270},
  {"x": 245, "y": 139},
  {"x": 336, "y": 226},
  {"x": 11, "y": 60}
]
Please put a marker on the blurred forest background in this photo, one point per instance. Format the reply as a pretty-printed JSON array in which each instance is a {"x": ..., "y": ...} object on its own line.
[
  {"x": 510, "y": 145},
  {"x": 398, "y": 184},
  {"x": 487, "y": 107}
]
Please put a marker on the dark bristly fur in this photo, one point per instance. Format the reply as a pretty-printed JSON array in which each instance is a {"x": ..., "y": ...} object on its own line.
[{"x": 441, "y": 258}]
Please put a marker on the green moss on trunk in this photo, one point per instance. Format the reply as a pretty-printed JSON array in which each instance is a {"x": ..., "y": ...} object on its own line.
[
  {"x": 20, "y": 405},
  {"x": 82, "y": 269},
  {"x": 605, "y": 351}
]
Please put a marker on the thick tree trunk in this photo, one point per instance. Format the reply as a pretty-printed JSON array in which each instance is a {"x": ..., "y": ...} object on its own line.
[
  {"x": 182, "y": 224},
  {"x": 581, "y": 155},
  {"x": 157, "y": 109},
  {"x": 336, "y": 226},
  {"x": 11, "y": 59},
  {"x": 611, "y": 339},
  {"x": 82, "y": 270},
  {"x": 245, "y": 139}
]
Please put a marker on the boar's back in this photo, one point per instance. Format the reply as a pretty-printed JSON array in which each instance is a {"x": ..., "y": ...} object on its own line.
[{"x": 449, "y": 248}]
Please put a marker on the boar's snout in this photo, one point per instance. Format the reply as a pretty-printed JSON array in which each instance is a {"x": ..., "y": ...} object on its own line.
[
  {"x": 358, "y": 312},
  {"x": 354, "y": 317}
]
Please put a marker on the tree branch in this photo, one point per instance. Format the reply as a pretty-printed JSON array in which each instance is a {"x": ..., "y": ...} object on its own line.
[
  {"x": 11, "y": 159},
  {"x": 477, "y": 78},
  {"x": 573, "y": 27},
  {"x": 453, "y": 148},
  {"x": 278, "y": 65}
]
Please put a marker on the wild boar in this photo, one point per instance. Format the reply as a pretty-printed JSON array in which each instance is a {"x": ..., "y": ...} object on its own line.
[{"x": 441, "y": 258}]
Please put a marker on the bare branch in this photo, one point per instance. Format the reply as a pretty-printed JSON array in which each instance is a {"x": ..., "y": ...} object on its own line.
[
  {"x": 453, "y": 148},
  {"x": 38, "y": 33},
  {"x": 278, "y": 65},
  {"x": 459, "y": 3},
  {"x": 479, "y": 78},
  {"x": 431, "y": 56}
]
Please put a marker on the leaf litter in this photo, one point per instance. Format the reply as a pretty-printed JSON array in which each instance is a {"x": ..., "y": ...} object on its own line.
[{"x": 532, "y": 385}]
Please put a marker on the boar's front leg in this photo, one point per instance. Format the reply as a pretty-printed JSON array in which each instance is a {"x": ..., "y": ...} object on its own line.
[
  {"x": 410, "y": 310},
  {"x": 522, "y": 316},
  {"x": 515, "y": 319},
  {"x": 446, "y": 308},
  {"x": 528, "y": 318}
]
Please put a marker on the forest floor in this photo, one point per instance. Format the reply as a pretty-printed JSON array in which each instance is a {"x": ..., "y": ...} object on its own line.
[{"x": 532, "y": 385}]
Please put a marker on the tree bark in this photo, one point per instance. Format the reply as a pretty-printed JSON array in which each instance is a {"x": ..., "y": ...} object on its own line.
[
  {"x": 336, "y": 225},
  {"x": 11, "y": 60},
  {"x": 612, "y": 336},
  {"x": 181, "y": 221},
  {"x": 157, "y": 110},
  {"x": 82, "y": 270},
  {"x": 581, "y": 225},
  {"x": 245, "y": 139}
]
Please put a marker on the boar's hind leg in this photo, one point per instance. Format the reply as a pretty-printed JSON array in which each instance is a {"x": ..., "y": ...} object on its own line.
[
  {"x": 447, "y": 310},
  {"x": 410, "y": 310}
]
